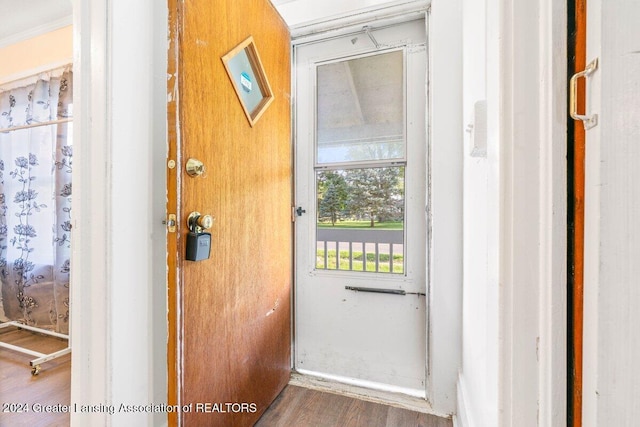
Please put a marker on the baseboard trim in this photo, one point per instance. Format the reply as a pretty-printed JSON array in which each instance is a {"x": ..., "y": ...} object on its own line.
[{"x": 318, "y": 382}]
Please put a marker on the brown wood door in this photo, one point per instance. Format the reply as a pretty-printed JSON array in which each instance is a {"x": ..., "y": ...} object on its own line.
[
  {"x": 576, "y": 158},
  {"x": 229, "y": 316}
]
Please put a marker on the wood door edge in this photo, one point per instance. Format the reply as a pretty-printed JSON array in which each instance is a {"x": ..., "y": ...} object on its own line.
[
  {"x": 577, "y": 192},
  {"x": 173, "y": 207}
]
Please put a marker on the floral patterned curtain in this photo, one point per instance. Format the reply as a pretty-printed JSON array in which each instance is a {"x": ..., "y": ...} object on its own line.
[{"x": 35, "y": 202}]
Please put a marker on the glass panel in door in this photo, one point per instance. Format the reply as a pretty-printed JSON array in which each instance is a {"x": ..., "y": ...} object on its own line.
[
  {"x": 360, "y": 224},
  {"x": 360, "y": 109},
  {"x": 360, "y": 153}
]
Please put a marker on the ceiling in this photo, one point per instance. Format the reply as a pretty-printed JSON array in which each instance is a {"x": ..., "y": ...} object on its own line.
[
  {"x": 21, "y": 19},
  {"x": 279, "y": 2}
]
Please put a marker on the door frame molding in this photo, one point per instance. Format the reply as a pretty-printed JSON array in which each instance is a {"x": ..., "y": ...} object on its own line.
[
  {"x": 531, "y": 126},
  {"x": 90, "y": 379},
  {"x": 336, "y": 26},
  {"x": 118, "y": 311}
]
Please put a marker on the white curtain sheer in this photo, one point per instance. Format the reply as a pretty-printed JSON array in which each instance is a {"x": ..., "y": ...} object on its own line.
[{"x": 35, "y": 201}]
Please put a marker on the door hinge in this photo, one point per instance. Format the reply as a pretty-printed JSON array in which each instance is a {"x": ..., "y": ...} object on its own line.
[{"x": 171, "y": 222}]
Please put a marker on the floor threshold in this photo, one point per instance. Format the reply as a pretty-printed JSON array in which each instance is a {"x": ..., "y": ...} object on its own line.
[{"x": 398, "y": 400}]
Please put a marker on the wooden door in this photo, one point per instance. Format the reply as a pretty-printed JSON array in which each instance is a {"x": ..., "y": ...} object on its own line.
[{"x": 229, "y": 316}]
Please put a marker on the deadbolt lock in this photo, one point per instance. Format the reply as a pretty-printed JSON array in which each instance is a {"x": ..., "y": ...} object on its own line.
[{"x": 195, "y": 167}]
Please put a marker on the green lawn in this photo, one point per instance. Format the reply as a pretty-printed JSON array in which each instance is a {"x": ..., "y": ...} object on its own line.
[
  {"x": 391, "y": 225},
  {"x": 383, "y": 261}
]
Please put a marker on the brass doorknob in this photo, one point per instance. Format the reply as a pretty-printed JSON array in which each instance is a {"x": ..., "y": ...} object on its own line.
[
  {"x": 194, "y": 167},
  {"x": 205, "y": 221},
  {"x": 197, "y": 222}
]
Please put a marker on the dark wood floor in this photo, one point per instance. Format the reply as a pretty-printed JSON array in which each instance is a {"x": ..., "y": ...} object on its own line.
[
  {"x": 302, "y": 407},
  {"x": 18, "y": 386}
]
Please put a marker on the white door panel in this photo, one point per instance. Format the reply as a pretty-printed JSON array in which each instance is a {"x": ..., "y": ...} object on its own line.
[{"x": 368, "y": 122}]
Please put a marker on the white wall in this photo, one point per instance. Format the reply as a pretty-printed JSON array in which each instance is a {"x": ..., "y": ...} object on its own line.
[
  {"x": 478, "y": 382},
  {"x": 612, "y": 218},
  {"x": 30, "y": 56},
  {"x": 157, "y": 388}
]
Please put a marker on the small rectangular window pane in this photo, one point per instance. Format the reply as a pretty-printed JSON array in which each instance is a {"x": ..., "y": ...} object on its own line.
[
  {"x": 360, "y": 223},
  {"x": 360, "y": 109},
  {"x": 241, "y": 68}
]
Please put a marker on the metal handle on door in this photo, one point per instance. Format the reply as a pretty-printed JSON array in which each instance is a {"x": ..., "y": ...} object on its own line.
[
  {"x": 376, "y": 290},
  {"x": 589, "y": 121},
  {"x": 383, "y": 291}
]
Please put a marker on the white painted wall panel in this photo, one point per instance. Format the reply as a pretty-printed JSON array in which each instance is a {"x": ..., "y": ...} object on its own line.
[
  {"x": 118, "y": 313},
  {"x": 478, "y": 374},
  {"x": 612, "y": 259}
]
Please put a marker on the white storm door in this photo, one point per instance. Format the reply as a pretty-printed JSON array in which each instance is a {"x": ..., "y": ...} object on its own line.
[{"x": 361, "y": 156}]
